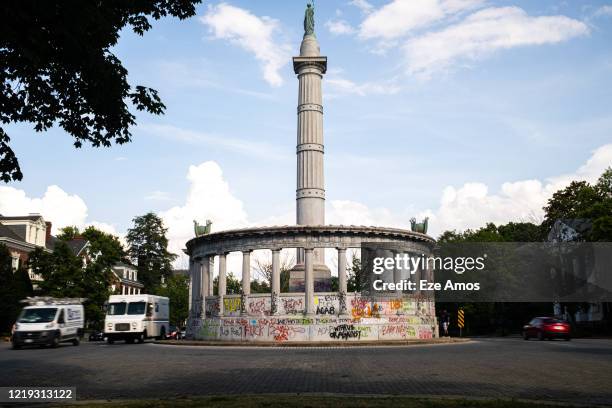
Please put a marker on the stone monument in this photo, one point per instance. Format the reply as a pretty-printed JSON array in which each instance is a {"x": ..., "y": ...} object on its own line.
[
  {"x": 311, "y": 311},
  {"x": 310, "y": 194}
]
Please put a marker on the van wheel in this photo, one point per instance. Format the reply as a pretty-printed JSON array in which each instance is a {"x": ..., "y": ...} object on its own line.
[
  {"x": 129, "y": 341},
  {"x": 75, "y": 342},
  {"x": 142, "y": 337},
  {"x": 162, "y": 334},
  {"x": 56, "y": 341}
]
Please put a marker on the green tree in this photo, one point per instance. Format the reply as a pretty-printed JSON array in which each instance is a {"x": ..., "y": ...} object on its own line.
[
  {"x": 233, "y": 285},
  {"x": 66, "y": 275},
  {"x": 148, "y": 248},
  {"x": 177, "y": 290},
  {"x": 57, "y": 67},
  {"x": 61, "y": 271},
  {"x": 14, "y": 286}
]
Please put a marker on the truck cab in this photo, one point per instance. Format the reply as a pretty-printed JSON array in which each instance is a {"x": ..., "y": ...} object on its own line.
[
  {"x": 49, "y": 322},
  {"x": 136, "y": 318}
]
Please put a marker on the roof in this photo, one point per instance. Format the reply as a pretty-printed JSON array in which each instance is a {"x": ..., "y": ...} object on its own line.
[
  {"x": 124, "y": 265},
  {"x": 30, "y": 217},
  {"x": 77, "y": 245},
  {"x": 8, "y": 232}
]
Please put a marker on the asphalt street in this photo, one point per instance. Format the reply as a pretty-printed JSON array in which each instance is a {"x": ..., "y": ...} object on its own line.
[{"x": 578, "y": 371}]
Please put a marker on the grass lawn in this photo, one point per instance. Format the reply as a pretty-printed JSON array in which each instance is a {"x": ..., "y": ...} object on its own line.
[{"x": 305, "y": 401}]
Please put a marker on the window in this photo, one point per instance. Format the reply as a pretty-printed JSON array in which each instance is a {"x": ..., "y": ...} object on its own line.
[
  {"x": 38, "y": 315},
  {"x": 116, "y": 309},
  {"x": 136, "y": 308},
  {"x": 61, "y": 319}
]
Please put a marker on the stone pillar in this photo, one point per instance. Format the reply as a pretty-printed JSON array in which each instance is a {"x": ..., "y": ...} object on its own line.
[
  {"x": 211, "y": 273},
  {"x": 276, "y": 271},
  {"x": 204, "y": 267},
  {"x": 276, "y": 287},
  {"x": 246, "y": 272},
  {"x": 342, "y": 286},
  {"x": 397, "y": 274},
  {"x": 190, "y": 288},
  {"x": 222, "y": 282},
  {"x": 310, "y": 193},
  {"x": 308, "y": 281}
]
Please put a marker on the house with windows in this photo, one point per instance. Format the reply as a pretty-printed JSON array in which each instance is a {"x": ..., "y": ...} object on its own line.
[
  {"x": 125, "y": 280},
  {"x": 22, "y": 235}
]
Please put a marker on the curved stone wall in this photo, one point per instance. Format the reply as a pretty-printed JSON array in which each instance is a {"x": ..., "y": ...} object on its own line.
[{"x": 309, "y": 316}]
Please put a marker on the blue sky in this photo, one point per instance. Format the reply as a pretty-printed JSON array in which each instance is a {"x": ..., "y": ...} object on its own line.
[{"x": 463, "y": 110}]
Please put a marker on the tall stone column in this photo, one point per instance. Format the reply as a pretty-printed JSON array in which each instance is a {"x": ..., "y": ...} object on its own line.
[
  {"x": 211, "y": 272},
  {"x": 308, "y": 281},
  {"x": 342, "y": 282},
  {"x": 246, "y": 281},
  {"x": 204, "y": 275},
  {"x": 222, "y": 282},
  {"x": 276, "y": 288},
  {"x": 310, "y": 194},
  {"x": 191, "y": 288}
]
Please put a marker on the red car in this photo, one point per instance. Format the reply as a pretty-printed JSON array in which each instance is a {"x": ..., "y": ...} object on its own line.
[{"x": 546, "y": 328}]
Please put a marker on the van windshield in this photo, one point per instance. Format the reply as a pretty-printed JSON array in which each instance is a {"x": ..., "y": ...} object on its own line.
[
  {"x": 137, "y": 308},
  {"x": 39, "y": 315},
  {"x": 116, "y": 308}
]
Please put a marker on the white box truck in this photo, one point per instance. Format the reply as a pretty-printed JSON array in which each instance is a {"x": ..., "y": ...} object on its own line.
[
  {"x": 47, "y": 321},
  {"x": 136, "y": 317}
]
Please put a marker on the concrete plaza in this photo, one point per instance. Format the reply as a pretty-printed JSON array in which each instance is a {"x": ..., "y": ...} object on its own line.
[{"x": 577, "y": 371}]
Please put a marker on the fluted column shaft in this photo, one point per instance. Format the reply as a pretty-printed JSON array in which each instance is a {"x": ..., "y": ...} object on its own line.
[
  {"x": 308, "y": 281},
  {"x": 222, "y": 282}
]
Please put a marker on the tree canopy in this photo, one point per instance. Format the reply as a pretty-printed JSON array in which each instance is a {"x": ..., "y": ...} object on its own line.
[
  {"x": 14, "y": 286},
  {"x": 57, "y": 68},
  {"x": 148, "y": 248}
]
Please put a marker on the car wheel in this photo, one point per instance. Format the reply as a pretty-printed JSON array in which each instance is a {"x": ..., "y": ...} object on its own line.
[
  {"x": 540, "y": 336},
  {"x": 567, "y": 338},
  {"x": 129, "y": 341},
  {"x": 76, "y": 342},
  {"x": 110, "y": 341},
  {"x": 16, "y": 346},
  {"x": 525, "y": 336}
]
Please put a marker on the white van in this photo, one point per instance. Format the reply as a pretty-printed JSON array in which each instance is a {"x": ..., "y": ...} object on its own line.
[
  {"x": 136, "y": 317},
  {"x": 49, "y": 321}
]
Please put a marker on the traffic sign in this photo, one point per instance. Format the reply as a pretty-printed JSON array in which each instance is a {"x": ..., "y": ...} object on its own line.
[{"x": 461, "y": 319}]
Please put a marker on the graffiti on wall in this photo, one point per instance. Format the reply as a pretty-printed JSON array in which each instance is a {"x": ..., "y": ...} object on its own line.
[{"x": 366, "y": 319}]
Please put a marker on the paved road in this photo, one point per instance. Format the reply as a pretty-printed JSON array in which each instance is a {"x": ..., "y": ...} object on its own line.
[{"x": 576, "y": 371}]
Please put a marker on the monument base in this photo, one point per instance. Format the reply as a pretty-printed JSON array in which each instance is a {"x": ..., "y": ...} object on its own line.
[{"x": 322, "y": 278}]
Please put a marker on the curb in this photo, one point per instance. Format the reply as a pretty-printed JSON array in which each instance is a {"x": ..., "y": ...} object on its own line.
[{"x": 204, "y": 343}]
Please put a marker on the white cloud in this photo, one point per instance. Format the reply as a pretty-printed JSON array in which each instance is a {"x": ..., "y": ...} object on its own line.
[
  {"x": 209, "y": 197},
  {"x": 400, "y": 17},
  {"x": 604, "y": 11},
  {"x": 158, "y": 196},
  {"x": 57, "y": 206},
  {"x": 473, "y": 205},
  {"x": 252, "y": 33},
  {"x": 340, "y": 85},
  {"x": 362, "y": 5},
  {"x": 250, "y": 148},
  {"x": 339, "y": 27},
  {"x": 484, "y": 32}
]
